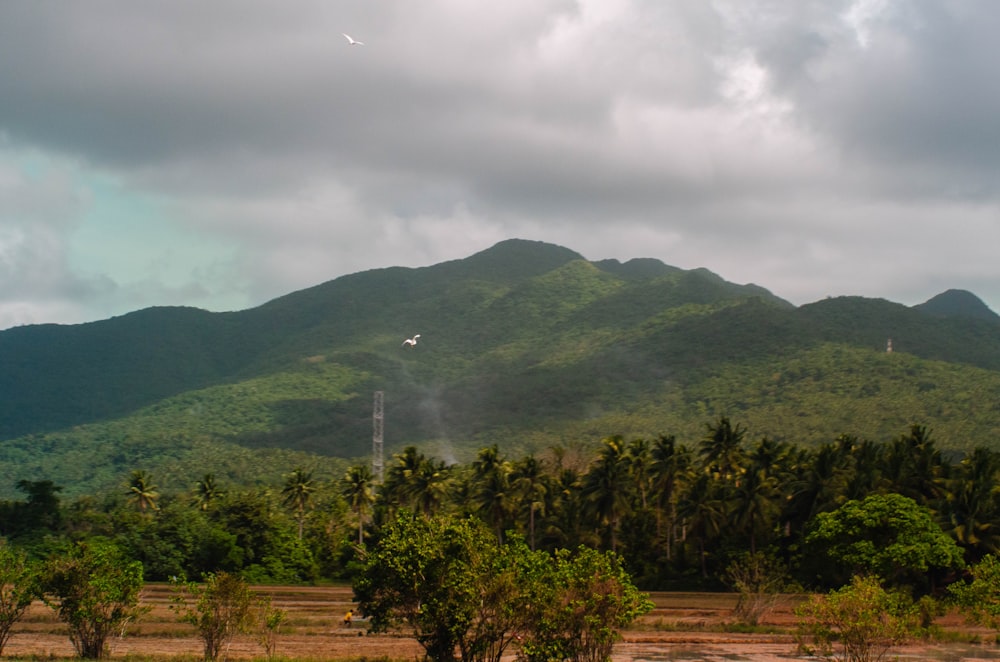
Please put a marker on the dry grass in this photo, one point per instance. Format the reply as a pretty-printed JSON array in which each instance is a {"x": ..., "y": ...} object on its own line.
[{"x": 314, "y": 631}]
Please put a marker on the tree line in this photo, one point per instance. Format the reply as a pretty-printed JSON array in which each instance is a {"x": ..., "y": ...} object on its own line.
[{"x": 677, "y": 513}]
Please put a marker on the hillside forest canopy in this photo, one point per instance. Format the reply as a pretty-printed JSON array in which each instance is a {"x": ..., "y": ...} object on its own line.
[
  {"x": 525, "y": 346},
  {"x": 677, "y": 513}
]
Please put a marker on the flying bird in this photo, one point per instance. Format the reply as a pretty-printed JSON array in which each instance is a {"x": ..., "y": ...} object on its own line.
[
  {"x": 411, "y": 341},
  {"x": 351, "y": 41}
]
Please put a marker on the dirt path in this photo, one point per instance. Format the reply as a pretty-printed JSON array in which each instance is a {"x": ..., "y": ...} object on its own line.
[{"x": 679, "y": 628}]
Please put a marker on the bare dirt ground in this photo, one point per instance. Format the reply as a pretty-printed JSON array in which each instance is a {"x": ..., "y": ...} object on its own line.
[{"x": 683, "y": 626}]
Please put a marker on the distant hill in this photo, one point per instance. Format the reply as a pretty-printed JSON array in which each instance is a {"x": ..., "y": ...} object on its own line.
[
  {"x": 525, "y": 345},
  {"x": 958, "y": 303}
]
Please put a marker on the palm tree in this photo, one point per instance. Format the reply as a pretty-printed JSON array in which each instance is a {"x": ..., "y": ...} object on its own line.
[
  {"x": 704, "y": 510},
  {"x": 638, "y": 455},
  {"x": 866, "y": 474},
  {"x": 721, "y": 450},
  {"x": 753, "y": 502},
  {"x": 207, "y": 492},
  {"x": 529, "y": 484},
  {"x": 397, "y": 489},
  {"x": 914, "y": 466},
  {"x": 490, "y": 491},
  {"x": 607, "y": 487},
  {"x": 972, "y": 510},
  {"x": 358, "y": 488},
  {"x": 670, "y": 463},
  {"x": 297, "y": 491},
  {"x": 142, "y": 490},
  {"x": 429, "y": 486},
  {"x": 563, "y": 523},
  {"x": 819, "y": 486}
]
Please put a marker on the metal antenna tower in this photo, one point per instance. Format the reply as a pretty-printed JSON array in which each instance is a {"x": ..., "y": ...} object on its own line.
[{"x": 377, "y": 422}]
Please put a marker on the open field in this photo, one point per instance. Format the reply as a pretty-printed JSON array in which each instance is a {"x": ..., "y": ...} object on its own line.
[{"x": 683, "y": 626}]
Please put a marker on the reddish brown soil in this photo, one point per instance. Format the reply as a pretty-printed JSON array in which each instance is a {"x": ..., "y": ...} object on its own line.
[{"x": 683, "y": 626}]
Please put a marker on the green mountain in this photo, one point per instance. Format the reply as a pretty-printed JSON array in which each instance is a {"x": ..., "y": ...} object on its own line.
[{"x": 526, "y": 345}]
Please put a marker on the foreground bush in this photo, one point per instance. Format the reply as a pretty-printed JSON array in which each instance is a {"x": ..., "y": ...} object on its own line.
[
  {"x": 95, "y": 591},
  {"x": 863, "y": 618},
  {"x": 459, "y": 589}
]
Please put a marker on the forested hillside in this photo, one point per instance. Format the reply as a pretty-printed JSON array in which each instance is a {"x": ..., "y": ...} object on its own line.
[{"x": 525, "y": 345}]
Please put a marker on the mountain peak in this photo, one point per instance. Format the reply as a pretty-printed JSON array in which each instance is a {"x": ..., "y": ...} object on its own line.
[
  {"x": 526, "y": 249},
  {"x": 957, "y": 303},
  {"x": 511, "y": 260}
]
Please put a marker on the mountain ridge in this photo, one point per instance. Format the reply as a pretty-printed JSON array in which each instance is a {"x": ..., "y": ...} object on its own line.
[{"x": 524, "y": 343}]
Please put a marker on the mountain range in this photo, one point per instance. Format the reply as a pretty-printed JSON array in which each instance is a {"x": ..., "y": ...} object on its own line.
[{"x": 526, "y": 345}]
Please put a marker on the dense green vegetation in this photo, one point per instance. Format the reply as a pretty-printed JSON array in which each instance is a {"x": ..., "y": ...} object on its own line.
[
  {"x": 481, "y": 547},
  {"x": 679, "y": 513},
  {"x": 525, "y": 345},
  {"x": 459, "y": 588}
]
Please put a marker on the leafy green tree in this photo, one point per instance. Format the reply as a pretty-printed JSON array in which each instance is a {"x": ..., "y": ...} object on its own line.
[
  {"x": 19, "y": 585},
  {"x": 219, "y": 609},
  {"x": 980, "y": 597},
  {"x": 444, "y": 577},
  {"x": 887, "y": 535},
  {"x": 95, "y": 591},
  {"x": 580, "y": 602},
  {"x": 250, "y": 521},
  {"x": 41, "y": 508},
  {"x": 287, "y": 559},
  {"x": 864, "y": 618},
  {"x": 271, "y": 619}
]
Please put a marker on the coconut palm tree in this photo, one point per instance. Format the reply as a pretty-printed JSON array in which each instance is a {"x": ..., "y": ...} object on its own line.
[
  {"x": 703, "y": 508},
  {"x": 142, "y": 491},
  {"x": 607, "y": 487},
  {"x": 669, "y": 465},
  {"x": 429, "y": 486},
  {"x": 490, "y": 489},
  {"x": 819, "y": 484},
  {"x": 207, "y": 491},
  {"x": 358, "y": 487},
  {"x": 397, "y": 489},
  {"x": 530, "y": 485},
  {"x": 639, "y": 459},
  {"x": 753, "y": 503},
  {"x": 298, "y": 490},
  {"x": 721, "y": 450},
  {"x": 971, "y": 510}
]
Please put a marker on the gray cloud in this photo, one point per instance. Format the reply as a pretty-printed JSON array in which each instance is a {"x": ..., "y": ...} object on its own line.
[{"x": 818, "y": 147}]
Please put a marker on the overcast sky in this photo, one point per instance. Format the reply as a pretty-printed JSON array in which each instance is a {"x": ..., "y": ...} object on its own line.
[{"x": 219, "y": 154}]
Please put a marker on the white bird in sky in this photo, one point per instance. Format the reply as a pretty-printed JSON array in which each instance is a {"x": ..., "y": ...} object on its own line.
[
  {"x": 351, "y": 40},
  {"x": 411, "y": 341}
]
